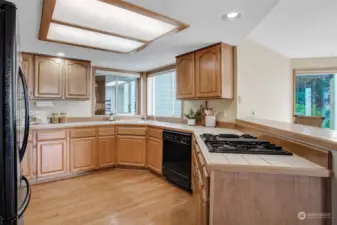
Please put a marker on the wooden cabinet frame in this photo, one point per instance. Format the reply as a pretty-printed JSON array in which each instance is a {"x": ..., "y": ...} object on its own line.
[
  {"x": 213, "y": 70},
  {"x": 40, "y": 160}
]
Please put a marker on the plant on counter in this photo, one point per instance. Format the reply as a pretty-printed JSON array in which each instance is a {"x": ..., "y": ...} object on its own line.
[{"x": 192, "y": 116}]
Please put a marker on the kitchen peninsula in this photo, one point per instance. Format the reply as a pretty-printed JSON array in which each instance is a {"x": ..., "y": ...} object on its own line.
[{"x": 227, "y": 188}]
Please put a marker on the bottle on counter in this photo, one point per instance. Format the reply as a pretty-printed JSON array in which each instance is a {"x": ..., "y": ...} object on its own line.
[
  {"x": 54, "y": 118},
  {"x": 63, "y": 118},
  {"x": 112, "y": 117}
]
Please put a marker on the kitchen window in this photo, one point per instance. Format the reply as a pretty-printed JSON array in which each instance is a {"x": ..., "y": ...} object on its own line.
[
  {"x": 116, "y": 93},
  {"x": 161, "y": 95},
  {"x": 315, "y": 95}
]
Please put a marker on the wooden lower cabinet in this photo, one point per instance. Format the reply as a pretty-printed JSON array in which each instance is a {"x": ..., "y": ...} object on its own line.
[
  {"x": 200, "y": 188},
  {"x": 155, "y": 154},
  {"x": 27, "y": 162},
  {"x": 51, "y": 158},
  {"x": 131, "y": 150},
  {"x": 106, "y": 151},
  {"x": 83, "y": 154}
]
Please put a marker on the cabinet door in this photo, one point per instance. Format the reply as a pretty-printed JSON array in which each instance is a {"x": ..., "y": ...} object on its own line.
[
  {"x": 51, "y": 158},
  {"x": 77, "y": 79},
  {"x": 185, "y": 76},
  {"x": 155, "y": 154},
  {"x": 83, "y": 156},
  {"x": 208, "y": 72},
  {"x": 204, "y": 213},
  {"x": 131, "y": 150},
  {"x": 106, "y": 151},
  {"x": 27, "y": 162},
  {"x": 27, "y": 65},
  {"x": 48, "y": 77}
]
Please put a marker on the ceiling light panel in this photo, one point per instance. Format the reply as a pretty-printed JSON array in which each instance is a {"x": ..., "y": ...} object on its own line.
[
  {"x": 87, "y": 38},
  {"x": 110, "y": 18}
]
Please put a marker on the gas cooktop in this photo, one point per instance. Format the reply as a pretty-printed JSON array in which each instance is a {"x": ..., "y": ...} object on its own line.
[{"x": 241, "y": 144}]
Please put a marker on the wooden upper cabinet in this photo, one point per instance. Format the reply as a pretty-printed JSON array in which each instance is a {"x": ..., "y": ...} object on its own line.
[
  {"x": 208, "y": 72},
  {"x": 185, "y": 76},
  {"x": 155, "y": 154},
  {"x": 77, "y": 79},
  {"x": 27, "y": 65},
  {"x": 48, "y": 77},
  {"x": 131, "y": 150}
]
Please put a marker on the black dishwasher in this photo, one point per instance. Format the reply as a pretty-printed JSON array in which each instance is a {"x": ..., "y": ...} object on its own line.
[{"x": 177, "y": 158}]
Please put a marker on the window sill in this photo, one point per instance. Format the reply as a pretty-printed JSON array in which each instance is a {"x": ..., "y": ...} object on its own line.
[{"x": 167, "y": 119}]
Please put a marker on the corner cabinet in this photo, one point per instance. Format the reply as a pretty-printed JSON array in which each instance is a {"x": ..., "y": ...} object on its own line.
[
  {"x": 131, "y": 150},
  {"x": 48, "y": 77},
  {"x": 106, "y": 151},
  {"x": 206, "y": 73},
  {"x": 77, "y": 79},
  {"x": 57, "y": 78},
  {"x": 185, "y": 76},
  {"x": 155, "y": 154}
]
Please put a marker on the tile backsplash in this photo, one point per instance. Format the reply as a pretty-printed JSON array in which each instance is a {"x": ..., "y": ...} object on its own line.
[
  {"x": 72, "y": 108},
  {"x": 226, "y": 108}
]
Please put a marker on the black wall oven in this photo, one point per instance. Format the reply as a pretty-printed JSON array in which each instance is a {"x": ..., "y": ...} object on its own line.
[{"x": 177, "y": 158}]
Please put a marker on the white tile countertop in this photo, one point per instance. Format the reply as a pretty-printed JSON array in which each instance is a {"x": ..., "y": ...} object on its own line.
[
  {"x": 322, "y": 136},
  {"x": 290, "y": 165}
]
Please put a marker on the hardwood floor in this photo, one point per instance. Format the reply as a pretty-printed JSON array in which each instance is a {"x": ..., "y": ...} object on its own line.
[{"x": 115, "y": 197}]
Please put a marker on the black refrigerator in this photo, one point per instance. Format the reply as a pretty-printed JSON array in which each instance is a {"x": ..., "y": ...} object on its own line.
[{"x": 14, "y": 122}]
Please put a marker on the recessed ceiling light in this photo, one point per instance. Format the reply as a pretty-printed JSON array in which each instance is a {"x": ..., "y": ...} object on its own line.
[
  {"x": 60, "y": 54},
  {"x": 231, "y": 16}
]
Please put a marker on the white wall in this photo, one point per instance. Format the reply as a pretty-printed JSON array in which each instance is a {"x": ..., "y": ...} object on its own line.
[
  {"x": 310, "y": 63},
  {"x": 264, "y": 83}
]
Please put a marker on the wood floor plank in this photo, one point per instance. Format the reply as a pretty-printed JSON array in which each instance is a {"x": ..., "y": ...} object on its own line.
[{"x": 116, "y": 197}]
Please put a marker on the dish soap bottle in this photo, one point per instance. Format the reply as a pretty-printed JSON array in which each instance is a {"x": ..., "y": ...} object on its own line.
[{"x": 112, "y": 117}]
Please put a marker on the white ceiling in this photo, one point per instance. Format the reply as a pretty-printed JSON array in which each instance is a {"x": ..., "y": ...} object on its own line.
[
  {"x": 300, "y": 28},
  {"x": 203, "y": 16}
]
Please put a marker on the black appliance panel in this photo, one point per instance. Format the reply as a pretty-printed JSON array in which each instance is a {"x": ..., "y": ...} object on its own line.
[{"x": 177, "y": 158}]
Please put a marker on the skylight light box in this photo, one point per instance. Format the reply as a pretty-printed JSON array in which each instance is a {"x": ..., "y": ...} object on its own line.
[{"x": 111, "y": 25}]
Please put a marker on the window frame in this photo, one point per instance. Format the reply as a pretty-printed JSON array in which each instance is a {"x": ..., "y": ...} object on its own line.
[
  {"x": 307, "y": 71},
  {"x": 93, "y": 94},
  {"x": 157, "y": 72}
]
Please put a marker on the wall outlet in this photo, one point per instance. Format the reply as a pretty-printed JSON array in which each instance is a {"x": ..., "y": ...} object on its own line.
[
  {"x": 253, "y": 113},
  {"x": 225, "y": 112},
  {"x": 239, "y": 100}
]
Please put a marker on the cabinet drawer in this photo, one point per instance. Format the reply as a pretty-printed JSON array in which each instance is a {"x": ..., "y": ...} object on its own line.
[
  {"x": 83, "y": 132},
  {"x": 155, "y": 132},
  {"x": 131, "y": 130},
  {"x": 51, "y": 134},
  {"x": 106, "y": 131}
]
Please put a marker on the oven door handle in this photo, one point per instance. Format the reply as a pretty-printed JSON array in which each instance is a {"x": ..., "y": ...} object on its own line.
[{"x": 22, "y": 150}]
